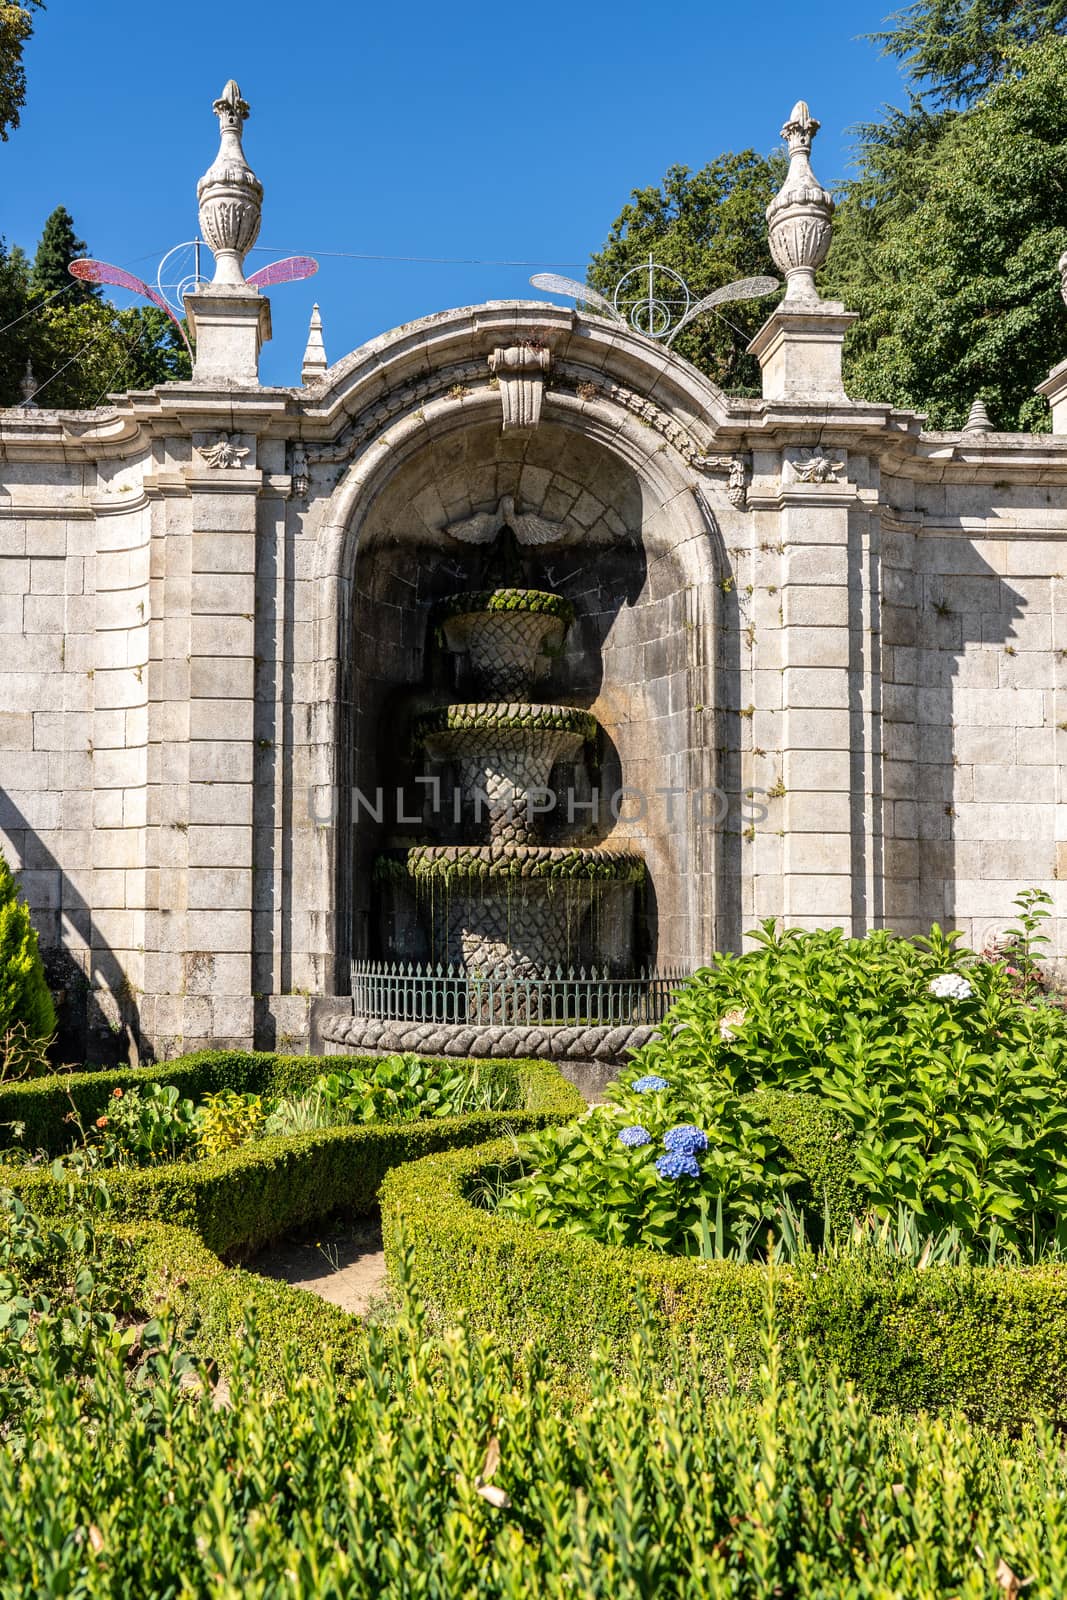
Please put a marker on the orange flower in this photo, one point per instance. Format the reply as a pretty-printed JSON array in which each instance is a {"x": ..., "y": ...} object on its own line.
[
  {"x": 116, "y": 1094},
  {"x": 101, "y": 1122}
]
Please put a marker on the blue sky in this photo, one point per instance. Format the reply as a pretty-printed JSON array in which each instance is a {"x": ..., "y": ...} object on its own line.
[{"x": 472, "y": 130}]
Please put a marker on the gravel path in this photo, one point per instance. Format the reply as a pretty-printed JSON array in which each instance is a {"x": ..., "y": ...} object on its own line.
[{"x": 345, "y": 1265}]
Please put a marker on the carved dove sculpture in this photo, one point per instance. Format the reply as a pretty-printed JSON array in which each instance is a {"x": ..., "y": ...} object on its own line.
[{"x": 484, "y": 526}]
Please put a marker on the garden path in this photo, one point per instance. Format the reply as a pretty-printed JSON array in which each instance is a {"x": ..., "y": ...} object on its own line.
[{"x": 342, "y": 1264}]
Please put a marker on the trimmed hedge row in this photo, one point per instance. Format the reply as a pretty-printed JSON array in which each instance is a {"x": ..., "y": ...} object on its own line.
[
  {"x": 174, "y": 1273},
  {"x": 42, "y": 1105},
  {"x": 989, "y": 1342},
  {"x": 819, "y": 1145},
  {"x": 168, "y": 1225},
  {"x": 244, "y": 1197}
]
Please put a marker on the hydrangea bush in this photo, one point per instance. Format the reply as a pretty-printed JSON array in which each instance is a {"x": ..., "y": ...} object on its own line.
[
  {"x": 663, "y": 1165},
  {"x": 952, "y": 1078}
]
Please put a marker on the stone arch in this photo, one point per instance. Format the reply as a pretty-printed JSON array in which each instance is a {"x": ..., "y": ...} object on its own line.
[{"x": 625, "y": 413}]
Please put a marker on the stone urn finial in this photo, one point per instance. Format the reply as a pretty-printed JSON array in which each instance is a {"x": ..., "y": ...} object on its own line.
[
  {"x": 798, "y": 217},
  {"x": 230, "y": 194}
]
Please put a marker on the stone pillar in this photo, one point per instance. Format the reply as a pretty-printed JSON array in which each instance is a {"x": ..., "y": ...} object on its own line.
[
  {"x": 799, "y": 351},
  {"x": 218, "y": 956},
  {"x": 1054, "y": 390},
  {"x": 823, "y": 806},
  {"x": 229, "y": 318},
  {"x": 799, "y": 346},
  {"x": 1054, "y": 387},
  {"x": 230, "y": 327}
]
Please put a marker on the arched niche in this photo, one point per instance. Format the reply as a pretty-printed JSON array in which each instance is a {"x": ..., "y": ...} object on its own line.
[{"x": 640, "y": 560}]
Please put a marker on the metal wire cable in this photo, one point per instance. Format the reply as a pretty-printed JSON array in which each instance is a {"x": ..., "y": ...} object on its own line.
[{"x": 38, "y": 307}]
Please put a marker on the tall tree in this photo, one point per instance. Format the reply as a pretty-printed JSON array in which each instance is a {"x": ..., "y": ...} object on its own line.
[
  {"x": 59, "y": 246},
  {"x": 710, "y": 227},
  {"x": 79, "y": 352},
  {"x": 15, "y": 302},
  {"x": 955, "y": 50},
  {"x": 16, "y": 25},
  {"x": 27, "y": 1015},
  {"x": 950, "y": 257}
]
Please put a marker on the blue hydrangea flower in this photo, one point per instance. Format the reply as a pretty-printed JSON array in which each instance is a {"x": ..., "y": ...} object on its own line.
[
  {"x": 650, "y": 1081},
  {"x": 632, "y": 1137},
  {"x": 685, "y": 1140},
  {"x": 678, "y": 1166}
]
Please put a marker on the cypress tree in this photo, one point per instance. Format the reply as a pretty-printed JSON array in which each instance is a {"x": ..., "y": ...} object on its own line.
[
  {"x": 27, "y": 1015},
  {"x": 60, "y": 246}
]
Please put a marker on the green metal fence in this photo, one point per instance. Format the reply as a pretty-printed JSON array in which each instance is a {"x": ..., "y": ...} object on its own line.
[{"x": 406, "y": 992}]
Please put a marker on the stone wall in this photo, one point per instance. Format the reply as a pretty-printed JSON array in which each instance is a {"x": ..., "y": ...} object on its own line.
[{"x": 824, "y": 649}]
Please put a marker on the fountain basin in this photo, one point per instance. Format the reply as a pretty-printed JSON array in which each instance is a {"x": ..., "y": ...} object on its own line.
[
  {"x": 518, "y": 910},
  {"x": 507, "y": 633}
]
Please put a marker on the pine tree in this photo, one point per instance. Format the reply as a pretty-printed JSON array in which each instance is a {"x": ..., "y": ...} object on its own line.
[
  {"x": 954, "y": 51},
  {"x": 60, "y": 246},
  {"x": 947, "y": 242},
  {"x": 27, "y": 1015}
]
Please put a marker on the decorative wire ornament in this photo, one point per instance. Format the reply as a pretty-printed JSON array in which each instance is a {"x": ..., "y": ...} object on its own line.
[
  {"x": 653, "y": 299},
  {"x": 90, "y": 271},
  {"x": 174, "y": 282},
  {"x": 179, "y": 274}
]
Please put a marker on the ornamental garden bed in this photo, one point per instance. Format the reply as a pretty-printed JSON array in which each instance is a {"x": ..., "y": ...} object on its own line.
[
  {"x": 988, "y": 1341},
  {"x": 126, "y": 1470},
  {"x": 256, "y": 1182},
  {"x": 884, "y": 1119}
]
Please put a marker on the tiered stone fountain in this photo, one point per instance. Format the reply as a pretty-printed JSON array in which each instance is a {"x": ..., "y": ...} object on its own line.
[
  {"x": 507, "y": 906},
  {"x": 504, "y": 913}
]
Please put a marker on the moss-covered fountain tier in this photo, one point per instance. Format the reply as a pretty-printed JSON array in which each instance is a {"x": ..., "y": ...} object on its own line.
[
  {"x": 507, "y": 905},
  {"x": 508, "y": 633},
  {"x": 519, "y": 909},
  {"x": 504, "y": 754}
]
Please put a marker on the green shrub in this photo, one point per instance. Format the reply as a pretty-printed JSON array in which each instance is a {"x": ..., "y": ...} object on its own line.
[
  {"x": 146, "y": 1126},
  {"x": 171, "y": 1273},
  {"x": 988, "y": 1341},
  {"x": 956, "y": 1088},
  {"x": 602, "y": 1177},
  {"x": 448, "y": 1467},
  {"x": 401, "y": 1088},
  {"x": 228, "y": 1120},
  {"x": 242, "y": 1197},
  {"x": 35, "y": 1114},
  {"x": 27, "y": 1015}
]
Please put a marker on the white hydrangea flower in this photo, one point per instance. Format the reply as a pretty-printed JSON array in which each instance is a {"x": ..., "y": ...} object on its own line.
[
  {"x": 731, "y": 1021},
  {"x": 950, "y": 986}
]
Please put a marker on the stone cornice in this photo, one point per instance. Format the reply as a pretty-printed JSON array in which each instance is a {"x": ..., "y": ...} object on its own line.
[
  {"x": 444, "y": 358},
  {"x": 1022, "y": 458}
]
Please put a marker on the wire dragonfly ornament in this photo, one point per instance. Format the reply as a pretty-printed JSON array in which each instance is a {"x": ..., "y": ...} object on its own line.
[
  {"x": 178, "y": 274},
  {"x": 654, "y": 299}
]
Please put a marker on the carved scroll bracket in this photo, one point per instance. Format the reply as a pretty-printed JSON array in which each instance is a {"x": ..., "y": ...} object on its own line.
[{"x": 521, "y": 370}]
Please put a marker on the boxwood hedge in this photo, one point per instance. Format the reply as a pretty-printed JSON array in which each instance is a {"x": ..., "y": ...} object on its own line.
[
  {"x": 244, "y": 1197},
  {"x": 168, "y": 1225},
  {"x": 989, "y": 1342},
  {"x": 41, "y": 1106},
  {"x": 173, "y": 1273}
]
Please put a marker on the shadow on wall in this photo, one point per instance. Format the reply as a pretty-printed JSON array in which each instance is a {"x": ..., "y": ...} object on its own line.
[
  {"x": 98, "y": 1015},
  {"x": 952, "y": 724}
]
